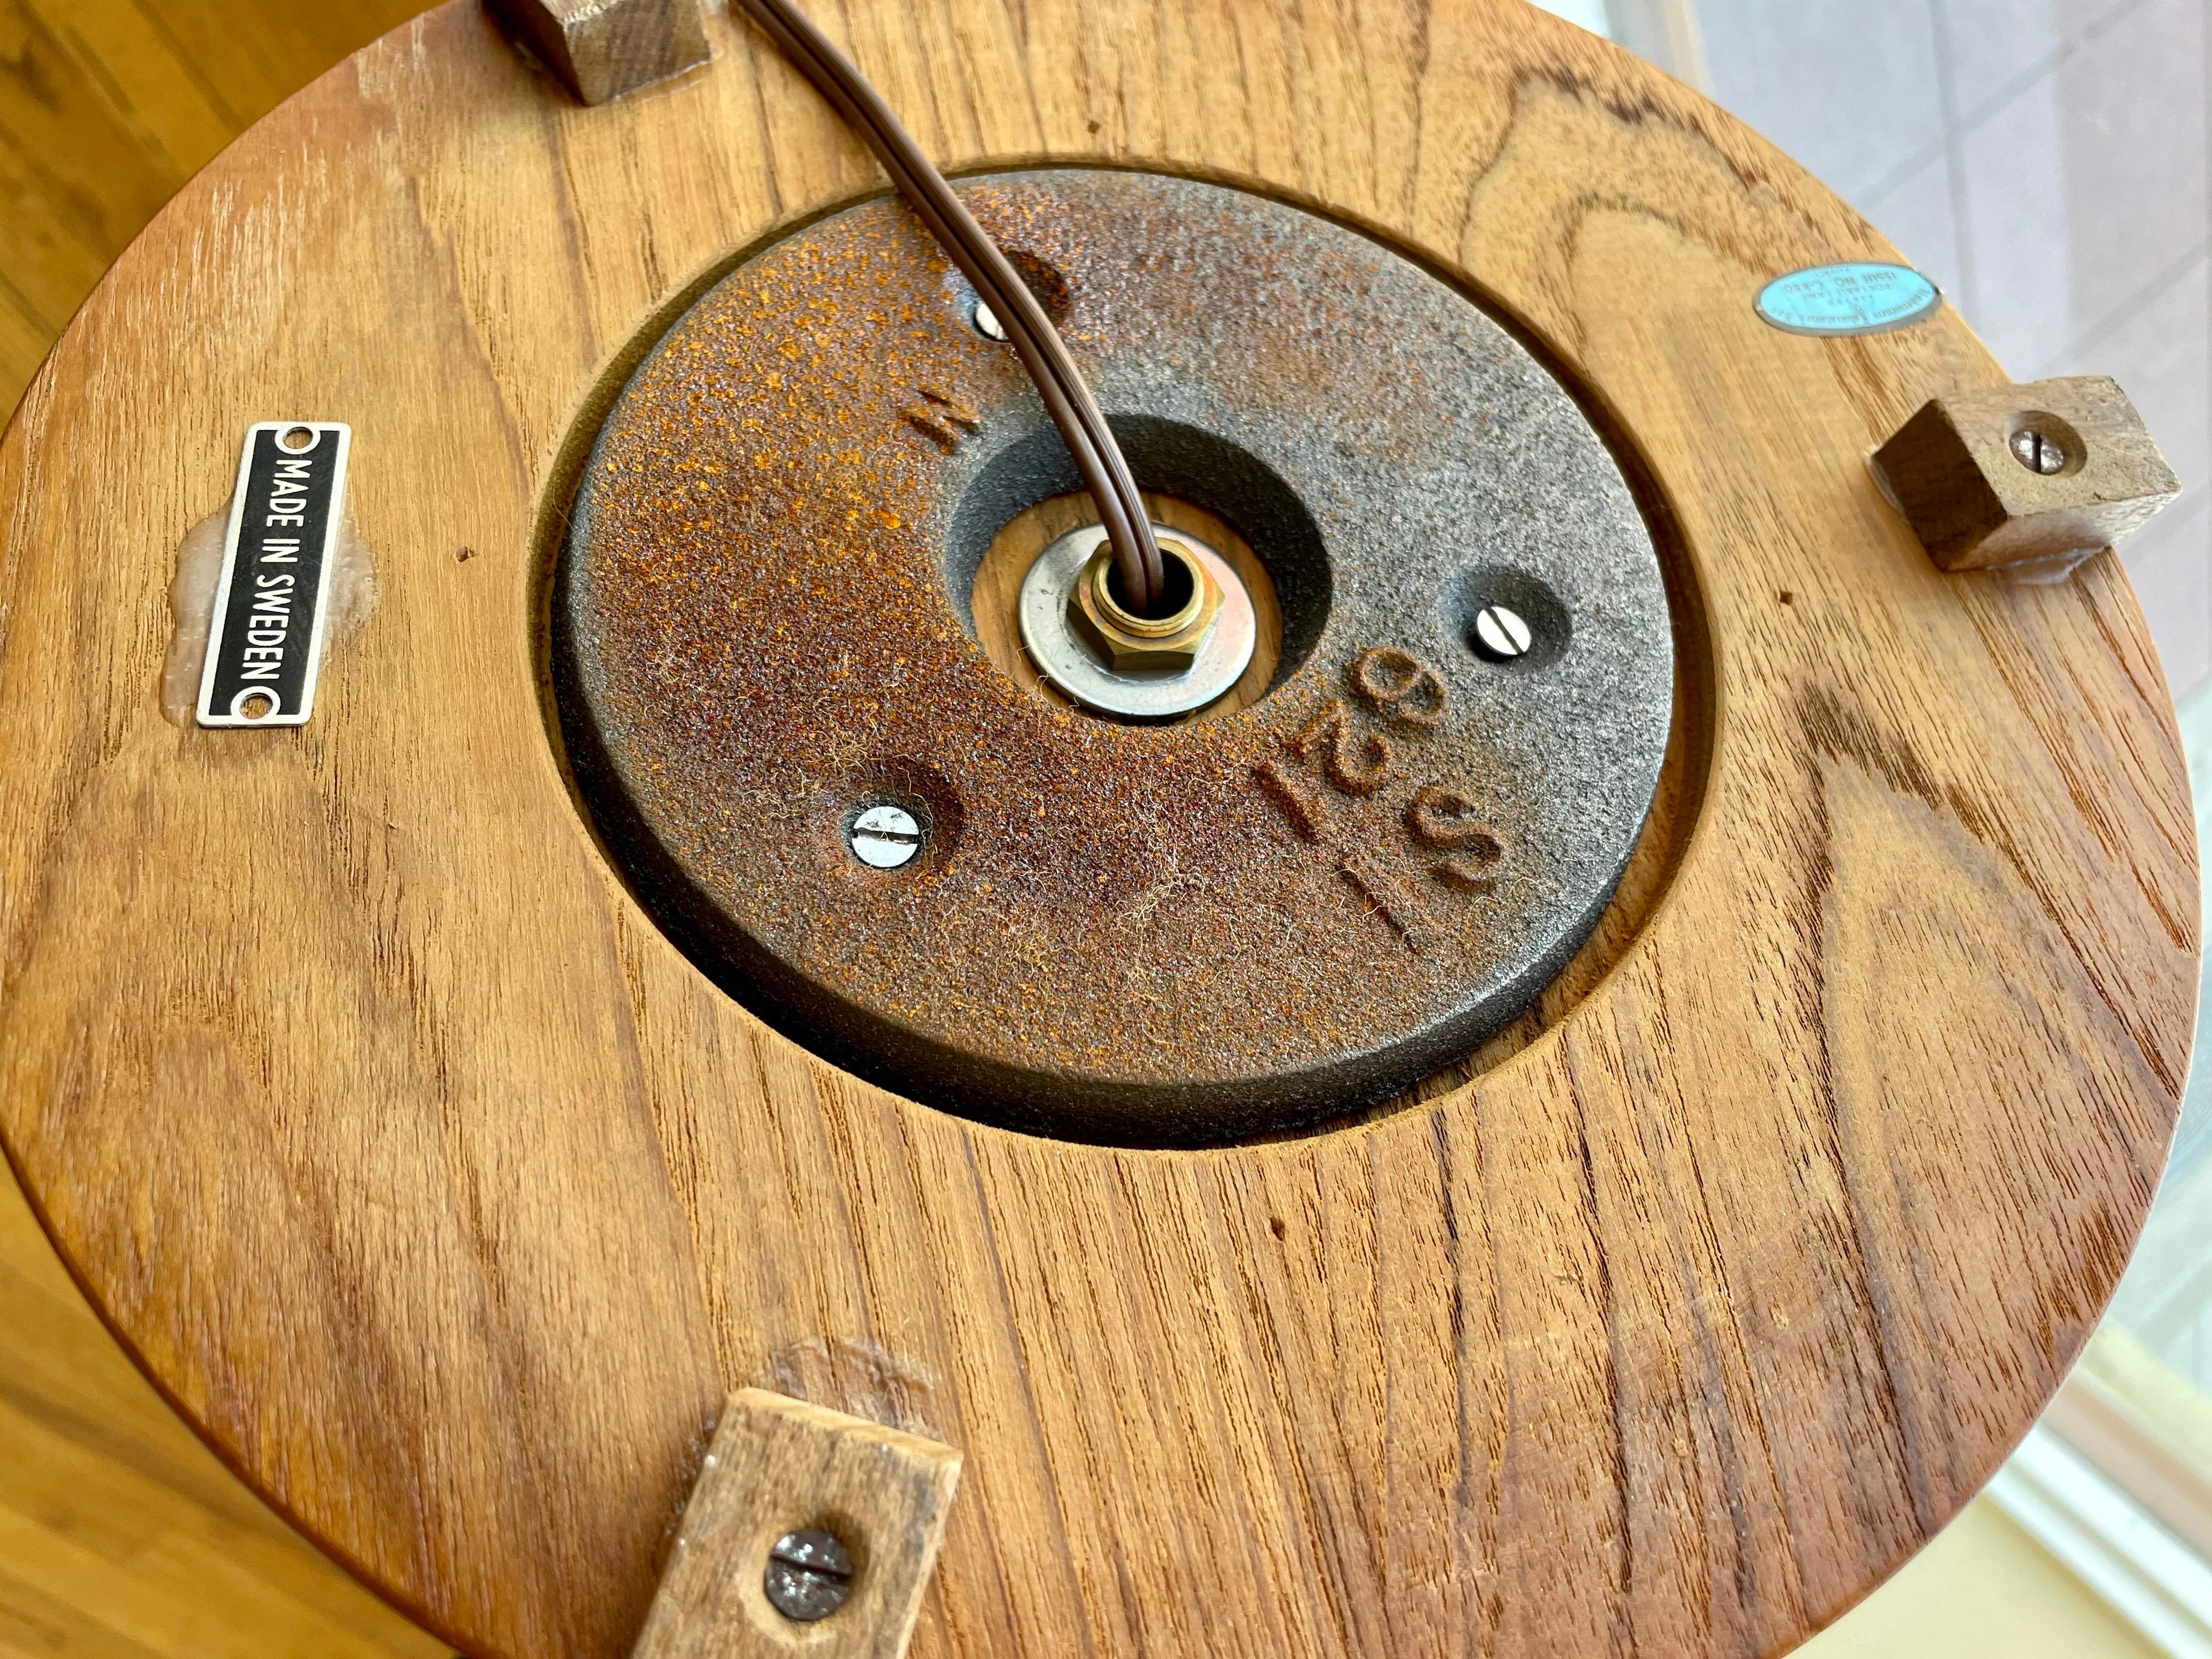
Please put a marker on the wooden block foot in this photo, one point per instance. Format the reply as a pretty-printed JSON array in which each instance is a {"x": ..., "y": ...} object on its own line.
[
  {"x": 2042, "y": 474},
  {"x": 605, "y": 48},
  {"x": 808, "y": 1532}
]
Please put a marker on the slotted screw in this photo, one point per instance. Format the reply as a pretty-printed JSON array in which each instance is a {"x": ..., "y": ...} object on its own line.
[
  {"x": 2039, "y": 451},
  {"x": 885, "y": 837},
  {"x": 1501, "y": 634},
  {"x": 810, "y": 1574}
]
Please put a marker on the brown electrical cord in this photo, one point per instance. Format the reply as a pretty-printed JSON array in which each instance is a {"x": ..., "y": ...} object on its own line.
[{"x": 1067, "y": 399}]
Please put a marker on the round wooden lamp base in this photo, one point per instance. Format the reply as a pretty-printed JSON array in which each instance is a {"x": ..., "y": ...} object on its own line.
[{"x": 448, "y": 1200}]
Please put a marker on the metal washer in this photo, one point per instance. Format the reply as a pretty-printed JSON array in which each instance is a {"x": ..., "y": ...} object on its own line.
[{"x": 1065, "y": 660}]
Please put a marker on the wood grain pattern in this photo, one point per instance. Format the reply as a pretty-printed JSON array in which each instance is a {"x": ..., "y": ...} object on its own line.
[
  {"x": 450, "y": 1201},
  {"x": 106, "y": 107},
  {"x": 776, "y": 1465},
  {"x": 124, "y": 1536}
]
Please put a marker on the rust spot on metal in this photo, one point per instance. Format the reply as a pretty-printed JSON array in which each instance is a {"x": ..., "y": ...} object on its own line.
[{"x": 757, "y": 626}]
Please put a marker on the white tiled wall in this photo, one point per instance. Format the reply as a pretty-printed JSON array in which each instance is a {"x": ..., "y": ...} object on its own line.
[{"x": 2046, "y": 160}]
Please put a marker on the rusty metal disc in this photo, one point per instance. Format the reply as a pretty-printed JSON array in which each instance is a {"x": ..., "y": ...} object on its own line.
[{"x": 1168, "y": 934}]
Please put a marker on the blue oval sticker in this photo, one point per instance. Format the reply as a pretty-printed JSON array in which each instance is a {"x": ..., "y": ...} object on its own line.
[{"x": 1849, "y": 299}]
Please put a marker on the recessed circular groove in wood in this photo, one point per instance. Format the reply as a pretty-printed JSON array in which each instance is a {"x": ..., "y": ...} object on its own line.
[
  {"x": 863, "y": 264},
  {"x": 448, "y": 1201}
]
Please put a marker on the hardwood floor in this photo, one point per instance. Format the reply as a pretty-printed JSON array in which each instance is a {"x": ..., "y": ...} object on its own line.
[
  {"x": 121, "y": 1536},
  {"x": 106, "y": 107}
]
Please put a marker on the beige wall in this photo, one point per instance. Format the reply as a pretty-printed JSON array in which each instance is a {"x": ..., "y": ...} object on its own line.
[{"x": 1984, "y": 1589}]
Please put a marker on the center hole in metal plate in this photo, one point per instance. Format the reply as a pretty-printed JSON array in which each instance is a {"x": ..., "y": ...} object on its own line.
[
  {"x": 1028, "y": 494},
  {"x": 995, "y": 596}
]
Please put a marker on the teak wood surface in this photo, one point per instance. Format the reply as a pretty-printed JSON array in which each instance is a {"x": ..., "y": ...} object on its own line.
[{"x": 449, "y": 1202}]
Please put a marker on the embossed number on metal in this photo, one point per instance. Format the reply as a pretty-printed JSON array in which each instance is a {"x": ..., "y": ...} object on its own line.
[
  {"x": 266, "y": 636},
  {"x": 1849, "y": 299}
]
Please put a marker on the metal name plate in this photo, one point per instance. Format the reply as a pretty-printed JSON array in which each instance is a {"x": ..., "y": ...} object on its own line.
[
  {"x": 265, "y": 638},
  {"x": 1849, "y": 299}
]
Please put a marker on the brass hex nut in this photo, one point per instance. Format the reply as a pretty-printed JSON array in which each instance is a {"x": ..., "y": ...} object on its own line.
[
  {"x": 1129, "y": 642},
  {"x": 2042, "y": 474}
]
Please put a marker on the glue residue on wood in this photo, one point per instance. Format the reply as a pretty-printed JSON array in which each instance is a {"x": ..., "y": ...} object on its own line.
[{"x": 191, "y": 606}]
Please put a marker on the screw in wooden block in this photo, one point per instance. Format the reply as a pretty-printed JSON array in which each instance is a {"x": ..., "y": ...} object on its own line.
[
  {"x": 2038, "y": 476},
  {"x": 2038, "y": 450},
  {"x": 878, "y": 1499},
  {"x": 808, "y": 1575},
  {"x": 605, "y": 48}
]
